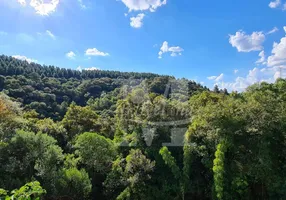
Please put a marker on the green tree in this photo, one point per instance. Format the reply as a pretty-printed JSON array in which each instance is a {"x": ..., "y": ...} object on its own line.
[
  {"x": 131, "y": 175},
  {"x": 95, "y": 151},
  {"x": 30, "y": 191},
  {"x": 74, "y": 183},
  {"x": 27, "y": 156},
  {"x": 79, "y": 119},
  {"x": 10, "y": 117}
]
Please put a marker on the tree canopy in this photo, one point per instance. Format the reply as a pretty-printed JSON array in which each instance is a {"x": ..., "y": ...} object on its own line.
[{"x": 67, "y": 134}]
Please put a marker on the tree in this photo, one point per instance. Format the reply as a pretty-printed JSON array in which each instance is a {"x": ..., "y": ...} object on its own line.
[
  {"x": 54, "y": 129},
  {"x": 216, "y": 89},
  {"x": 30, "y": 191},
  {"x": 10, "y": 117},
  {"x": 95, "y": 151},
  {"x": 74, "y": 183},
  {"x": 218, "y": 169},
  {"x": 30, "y": 155},
  {"x": 79, "y": 119},
  {"x": 181, "y": 176},
  {"x": 131, "y": 175}
]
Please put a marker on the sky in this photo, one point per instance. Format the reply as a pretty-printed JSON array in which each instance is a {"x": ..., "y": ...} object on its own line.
[{"x": 232, "y": 44}]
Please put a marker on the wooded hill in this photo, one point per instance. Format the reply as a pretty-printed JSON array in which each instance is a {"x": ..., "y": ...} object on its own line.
[{"x": 66, "y": 134}]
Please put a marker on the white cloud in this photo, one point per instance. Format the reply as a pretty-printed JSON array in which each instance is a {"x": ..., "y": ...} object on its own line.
[
  {"x": 137, "y": 5},
  {"x": 280, "y": 72},
  {"x": 212, "y": 77},
  {"x": 91, "y": 68},
  {"x": 81, "y": 4},
  {"x": 262, "y": 59},
  {"x": 284, "y": 6},
  {"x": 278, "y": 56},
  {"x": 136, "y": 22},
  {"x": 49, "y": 33},
  {"x": 235, "y": 71},
  {"x": 164, "y": 48},
  {"x": 3, "y": 33},
  {"x": 22, "y": 2},
  {"x": 219, "y": 78},
  {"x": 70, "y": 54},
  {"x": 44, "y": 8},
  {"x": 274, "y": 4},
  {"x": 284, "y": 27},
  {"x": 79, "y": 68},
  {"x": 268, "y": 74},
  {"x": 95, "y": 52},
  {"x": 216, "y": 78},
  {"x": 29, "y": 60},
  {"x": 176, "y": 50},
  {"x": 247, "y": 43},
  {"x": 275, "y": 29},
  {"x": 241, "y": 83}
]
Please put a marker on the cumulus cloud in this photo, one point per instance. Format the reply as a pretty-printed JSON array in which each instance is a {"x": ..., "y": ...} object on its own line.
[
  {"x": 44, "y": 7},
  {"x": 275, "y": 29},
  {"x": 176, "y": 50},
  {"x": 79, "y": 68},
  {"x": 276, "y": 68},
  {"x": 284, "y": 28},
  {"x": 255, "y": 75},
  {"x": 140, "y": 5},
  {"x": 29, "y": 60},
  {"x": 278, "y": 56},
  {"x": 241, "y": 83},
  {"x": 262, "y": 59},
  {"x": 246, "y": 43},
  {"x": 95, "y": 52},
  {"x": 235, "y": 71},
  {"x": 274, "y": 4},
  {"x": 22, "y": 2},
  {"x": 216, "y": 78},
  {"x": 136, "y": 22},
  {"x": 70, "y": 54},
  {"x": 49, "y": 33}
]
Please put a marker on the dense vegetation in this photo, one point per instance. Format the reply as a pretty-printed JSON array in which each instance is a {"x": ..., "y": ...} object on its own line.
[{"x": 67, "y": 134}]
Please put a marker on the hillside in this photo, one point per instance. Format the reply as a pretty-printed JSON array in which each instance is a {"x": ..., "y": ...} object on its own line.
[
  {"x": 49, "y": 90},
  {"x": 66, "y": 134}
]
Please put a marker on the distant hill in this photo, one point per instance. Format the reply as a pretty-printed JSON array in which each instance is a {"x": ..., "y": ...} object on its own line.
[{"x": 49, "y": 89}]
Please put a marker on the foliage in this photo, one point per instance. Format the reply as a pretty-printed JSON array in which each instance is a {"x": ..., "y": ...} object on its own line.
[
  {"x": 170, "y": 162},
  {"x": 132, "y": 174},
  {"x": 115, "y": 135},
  {"x": 30, "y": 155},
  {"x": 95, "y": 151},
  {"x": 30, "y": 191},
  {"x": 218, "y": 169},
  {"x": 74, "y": 183},
  {"x": 79, "y": 119},
  {"x": 10, "y": 119}
]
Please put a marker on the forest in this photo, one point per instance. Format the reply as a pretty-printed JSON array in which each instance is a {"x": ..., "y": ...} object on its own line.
[{"x": 94, "y": 134}]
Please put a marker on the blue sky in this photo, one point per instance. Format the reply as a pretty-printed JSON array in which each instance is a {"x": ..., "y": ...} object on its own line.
[{"x": 212, "y": 42}]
